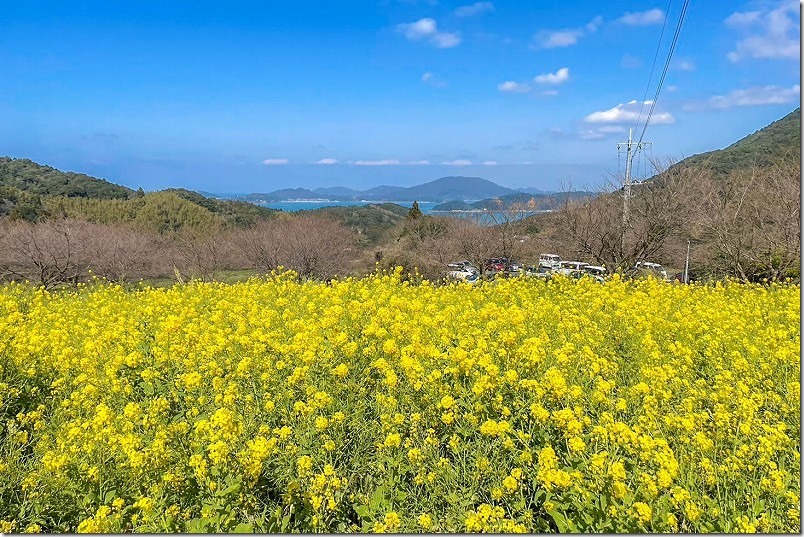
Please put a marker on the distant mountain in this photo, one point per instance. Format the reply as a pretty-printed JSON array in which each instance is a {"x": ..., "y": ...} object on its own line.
[
  {"x": 339, "y": 191},
  {"x": 531, "y": 190},
  {"x": 443, "y": 189},
  {"x": 534, "y": 202},
  {"x": 283, "y": 194},
  {"x": 457, "y": 188},
  {"x": 384, "y": 193}
]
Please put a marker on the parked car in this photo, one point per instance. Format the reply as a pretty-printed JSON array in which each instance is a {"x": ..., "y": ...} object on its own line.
[
  {"x": 596, "y": 272},
  {"x": 537, "y": 272},
  {"x": 568, "y": 267},
  {"x": 496, "y": 264},
  {"x": 462, "y": 265},
  {"x": 469, "y": 276},
  {"x": 550, "y": 261},
  {"x": 514, "y": 266},
  {"x": 655, "y": 268}
]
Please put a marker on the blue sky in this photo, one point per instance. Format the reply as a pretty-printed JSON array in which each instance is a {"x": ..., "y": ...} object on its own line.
[{"x": 253, "y": 96}]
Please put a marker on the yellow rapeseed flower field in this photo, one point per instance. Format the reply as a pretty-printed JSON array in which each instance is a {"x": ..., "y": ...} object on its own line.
[{"x": 376, "y": 404}]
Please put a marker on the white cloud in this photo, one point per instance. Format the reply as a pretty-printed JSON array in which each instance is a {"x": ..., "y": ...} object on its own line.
[
  {"x": 431, "y": 80},
  {"x": 490, "y": 163},
  {"x": 419, "y": 29},
  {"x": 445, "y": 40},
  {"x": 428, "y": 28},
  {"x": 459, "y": 162},
  {"x": 769, "y": 34},
  {"x": 559, "y": 77},
  {"x": 565, "y": 37},
  {"x": 756, "y": 96},
  {"x": 593, "y": 24},
  {"x": 275, "y": 161},
  {"x": 477, "y": 8},
  {"x": 643, "y": 18},
  {"x": 629, "y": 113},
  {"x": 513, "y": 87},
  {"x": 598, "y": 133},
  {"x": 558, "y": 39},
  {"x": 326, "y": 161},
  {"x": 550, "y": 93},
  {"x": 590, "y": 134},
  {"x": 685, "y": 65},
  {"x": 388, "y": 162},
  {"x": 744, "y": 18},
  {"x": 419, "y": 162}
]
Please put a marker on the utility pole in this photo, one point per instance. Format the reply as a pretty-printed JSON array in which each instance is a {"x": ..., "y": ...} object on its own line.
[
  {"x": 687, "y": 265},
  {"x": 630, "y": 150}
]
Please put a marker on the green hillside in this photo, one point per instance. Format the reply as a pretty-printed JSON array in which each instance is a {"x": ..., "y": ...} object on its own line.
[
  {"x": 778, "y": 140},
  {"x": 30, "y": 191},
  {"x": 371, "y": 222},
  {"x": 33, "y": 178}
]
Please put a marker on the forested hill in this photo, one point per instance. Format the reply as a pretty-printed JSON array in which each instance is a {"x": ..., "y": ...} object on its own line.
[
  {"x": 28, "y": 176},
  {"x": 779, "y": 140},
  {"x": 33, "y": 192}
]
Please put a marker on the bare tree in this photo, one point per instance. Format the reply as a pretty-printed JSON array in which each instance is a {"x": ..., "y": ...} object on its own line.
[
  {"x": 120, "y": 253},
  {"x": 47, "y": 253},
  {"x": 201, "y": 253},
  {"x": 658, "y": 209},
  {"x": 752, "y": 221},
  {"x": 314, "y": 247}
]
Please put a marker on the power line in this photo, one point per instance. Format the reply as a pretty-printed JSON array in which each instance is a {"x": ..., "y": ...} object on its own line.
[
  {"x": 653, "y": 66},
  {"x": 666, "y": 66}
]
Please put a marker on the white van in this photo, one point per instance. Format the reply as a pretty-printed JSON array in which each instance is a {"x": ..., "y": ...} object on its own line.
[
  {"x": 550, "y": 261},
  {"x": 656, "y": 268}
]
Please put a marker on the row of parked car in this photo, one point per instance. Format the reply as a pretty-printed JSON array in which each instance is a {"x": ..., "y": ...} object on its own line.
[{"x": 548, "y": 265}]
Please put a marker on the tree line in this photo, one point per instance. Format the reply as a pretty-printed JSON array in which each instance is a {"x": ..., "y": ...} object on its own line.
[{"x": 745, "y": 224}]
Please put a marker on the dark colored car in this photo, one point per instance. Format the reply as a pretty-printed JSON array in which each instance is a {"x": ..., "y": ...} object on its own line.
[{"x": 496, "y": 264}]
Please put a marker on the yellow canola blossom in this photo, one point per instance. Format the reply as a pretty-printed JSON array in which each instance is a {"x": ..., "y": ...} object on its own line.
[{"x": 380, "y": 404}]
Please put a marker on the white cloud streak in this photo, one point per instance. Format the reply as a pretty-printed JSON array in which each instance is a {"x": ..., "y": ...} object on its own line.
[
  {"x": 427, "y": 29},
  {"x": 559, "y": 77},
  {"x": 478, "y": 8},
  {"x": 642, "y": 18},
  {"x": 755, "y": 96},
  {"x": 459, "y": 162},
  {"x": 327, "y": 161},
  {"x": 275, "y": 161},
  {"x": 565, "y": 37},
  {"x": 388, "y": 162},
  {"x": 510, "y": 86},
  {"x": 445, "y": 40},
  {"x": 559, "y": 38},
  {"x": 628, "y": 113},
  {"x": 769, "y": 34}
]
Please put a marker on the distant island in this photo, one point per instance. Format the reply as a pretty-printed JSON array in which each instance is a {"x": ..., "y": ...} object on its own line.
[{"x": 454, "y": 193}]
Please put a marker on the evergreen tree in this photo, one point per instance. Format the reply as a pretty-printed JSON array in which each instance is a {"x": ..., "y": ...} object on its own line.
[{"x": 415, "y": 213}]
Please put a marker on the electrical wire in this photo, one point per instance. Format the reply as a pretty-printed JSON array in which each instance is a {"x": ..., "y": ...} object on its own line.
[
  {"x": 666, "y": 66},
  {"x": 653, "y": 66}
]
